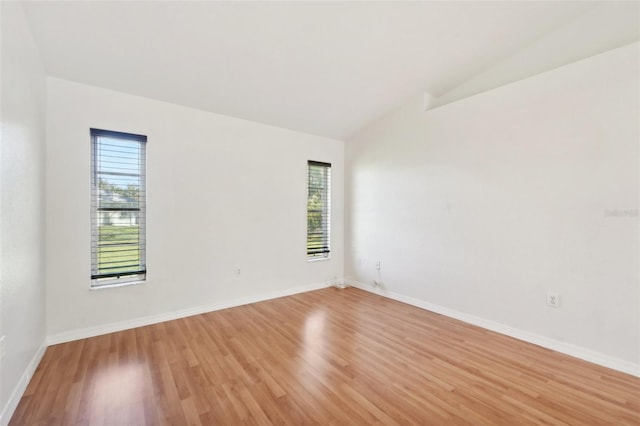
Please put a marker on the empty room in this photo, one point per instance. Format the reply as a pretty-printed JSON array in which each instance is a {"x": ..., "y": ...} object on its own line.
[{"x": 320, "y": 212}]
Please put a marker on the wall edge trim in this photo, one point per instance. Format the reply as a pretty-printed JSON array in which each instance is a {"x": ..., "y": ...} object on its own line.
[
  {"x": 9, "y": 409},
  {"x": 526, "y": 336},
  {"x": 86, "y": 332}
]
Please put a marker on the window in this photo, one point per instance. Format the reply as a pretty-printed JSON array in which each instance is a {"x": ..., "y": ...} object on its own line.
[
  {"x": 117, "y": 208},
  {"x": 318, "y": 210}
]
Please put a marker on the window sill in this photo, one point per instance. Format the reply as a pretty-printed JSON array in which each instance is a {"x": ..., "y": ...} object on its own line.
[
  {"x": 114, "y": 285},
  {"x": 318, "y": 259}
]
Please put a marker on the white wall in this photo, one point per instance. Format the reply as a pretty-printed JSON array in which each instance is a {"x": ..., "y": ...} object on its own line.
[
  {"x": 223, "y": 194},
  {"x": 606, "y": 26},
  {"x": 22, "y": 283},
  {"x": 482, "y": 206}
]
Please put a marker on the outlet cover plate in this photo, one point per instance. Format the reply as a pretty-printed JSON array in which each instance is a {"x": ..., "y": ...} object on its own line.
[{"x": 553, "y": 300}]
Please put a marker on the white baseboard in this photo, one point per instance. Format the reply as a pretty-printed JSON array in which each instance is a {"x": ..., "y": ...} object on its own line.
[
  {"x": 536, "y": 339},
  {"x": 18, "y": 391},
  {"x": 83, "y": 333}
]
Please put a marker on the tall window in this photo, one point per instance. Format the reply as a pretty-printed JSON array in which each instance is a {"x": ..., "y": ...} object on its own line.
[
  {"x": 117, "y": 208},
  {"x": 318, "y": 209}
]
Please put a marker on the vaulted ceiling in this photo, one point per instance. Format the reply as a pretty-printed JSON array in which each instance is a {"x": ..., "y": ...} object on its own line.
[{"x": 326, "y": 68}]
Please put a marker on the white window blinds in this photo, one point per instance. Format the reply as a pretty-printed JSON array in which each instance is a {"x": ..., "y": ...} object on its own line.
[
  {"x": 318, "y": 209},
  {"x": 118, "y": 209}
]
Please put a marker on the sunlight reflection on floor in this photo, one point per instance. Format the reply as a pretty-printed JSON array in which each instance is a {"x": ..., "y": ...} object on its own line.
[
  {"x": 119, "y": 384},
  {"x": 312, "y": 363}
]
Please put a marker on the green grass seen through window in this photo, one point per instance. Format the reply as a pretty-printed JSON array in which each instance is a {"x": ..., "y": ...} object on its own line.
[{"x": 118, "y": 248}]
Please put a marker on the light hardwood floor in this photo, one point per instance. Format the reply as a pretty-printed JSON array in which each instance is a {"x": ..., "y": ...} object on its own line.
[{"x": 324, "y": 357}]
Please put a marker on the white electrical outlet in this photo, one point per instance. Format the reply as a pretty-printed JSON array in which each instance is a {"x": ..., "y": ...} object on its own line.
[
  {"x": 378, "y": 265},
  {"x": 553, "y": 300}
]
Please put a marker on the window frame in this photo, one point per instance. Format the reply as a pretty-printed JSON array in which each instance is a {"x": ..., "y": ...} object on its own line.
[
  {"x": 325, "y": 213},
  {"x": 116, "y": 279}
]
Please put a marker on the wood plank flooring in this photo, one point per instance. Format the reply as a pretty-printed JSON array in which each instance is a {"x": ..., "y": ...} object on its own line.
[{"x": 330, "y": 357}]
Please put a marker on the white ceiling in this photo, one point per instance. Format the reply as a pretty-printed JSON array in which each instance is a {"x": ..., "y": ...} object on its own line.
[{"x": 326, "y": 68}]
